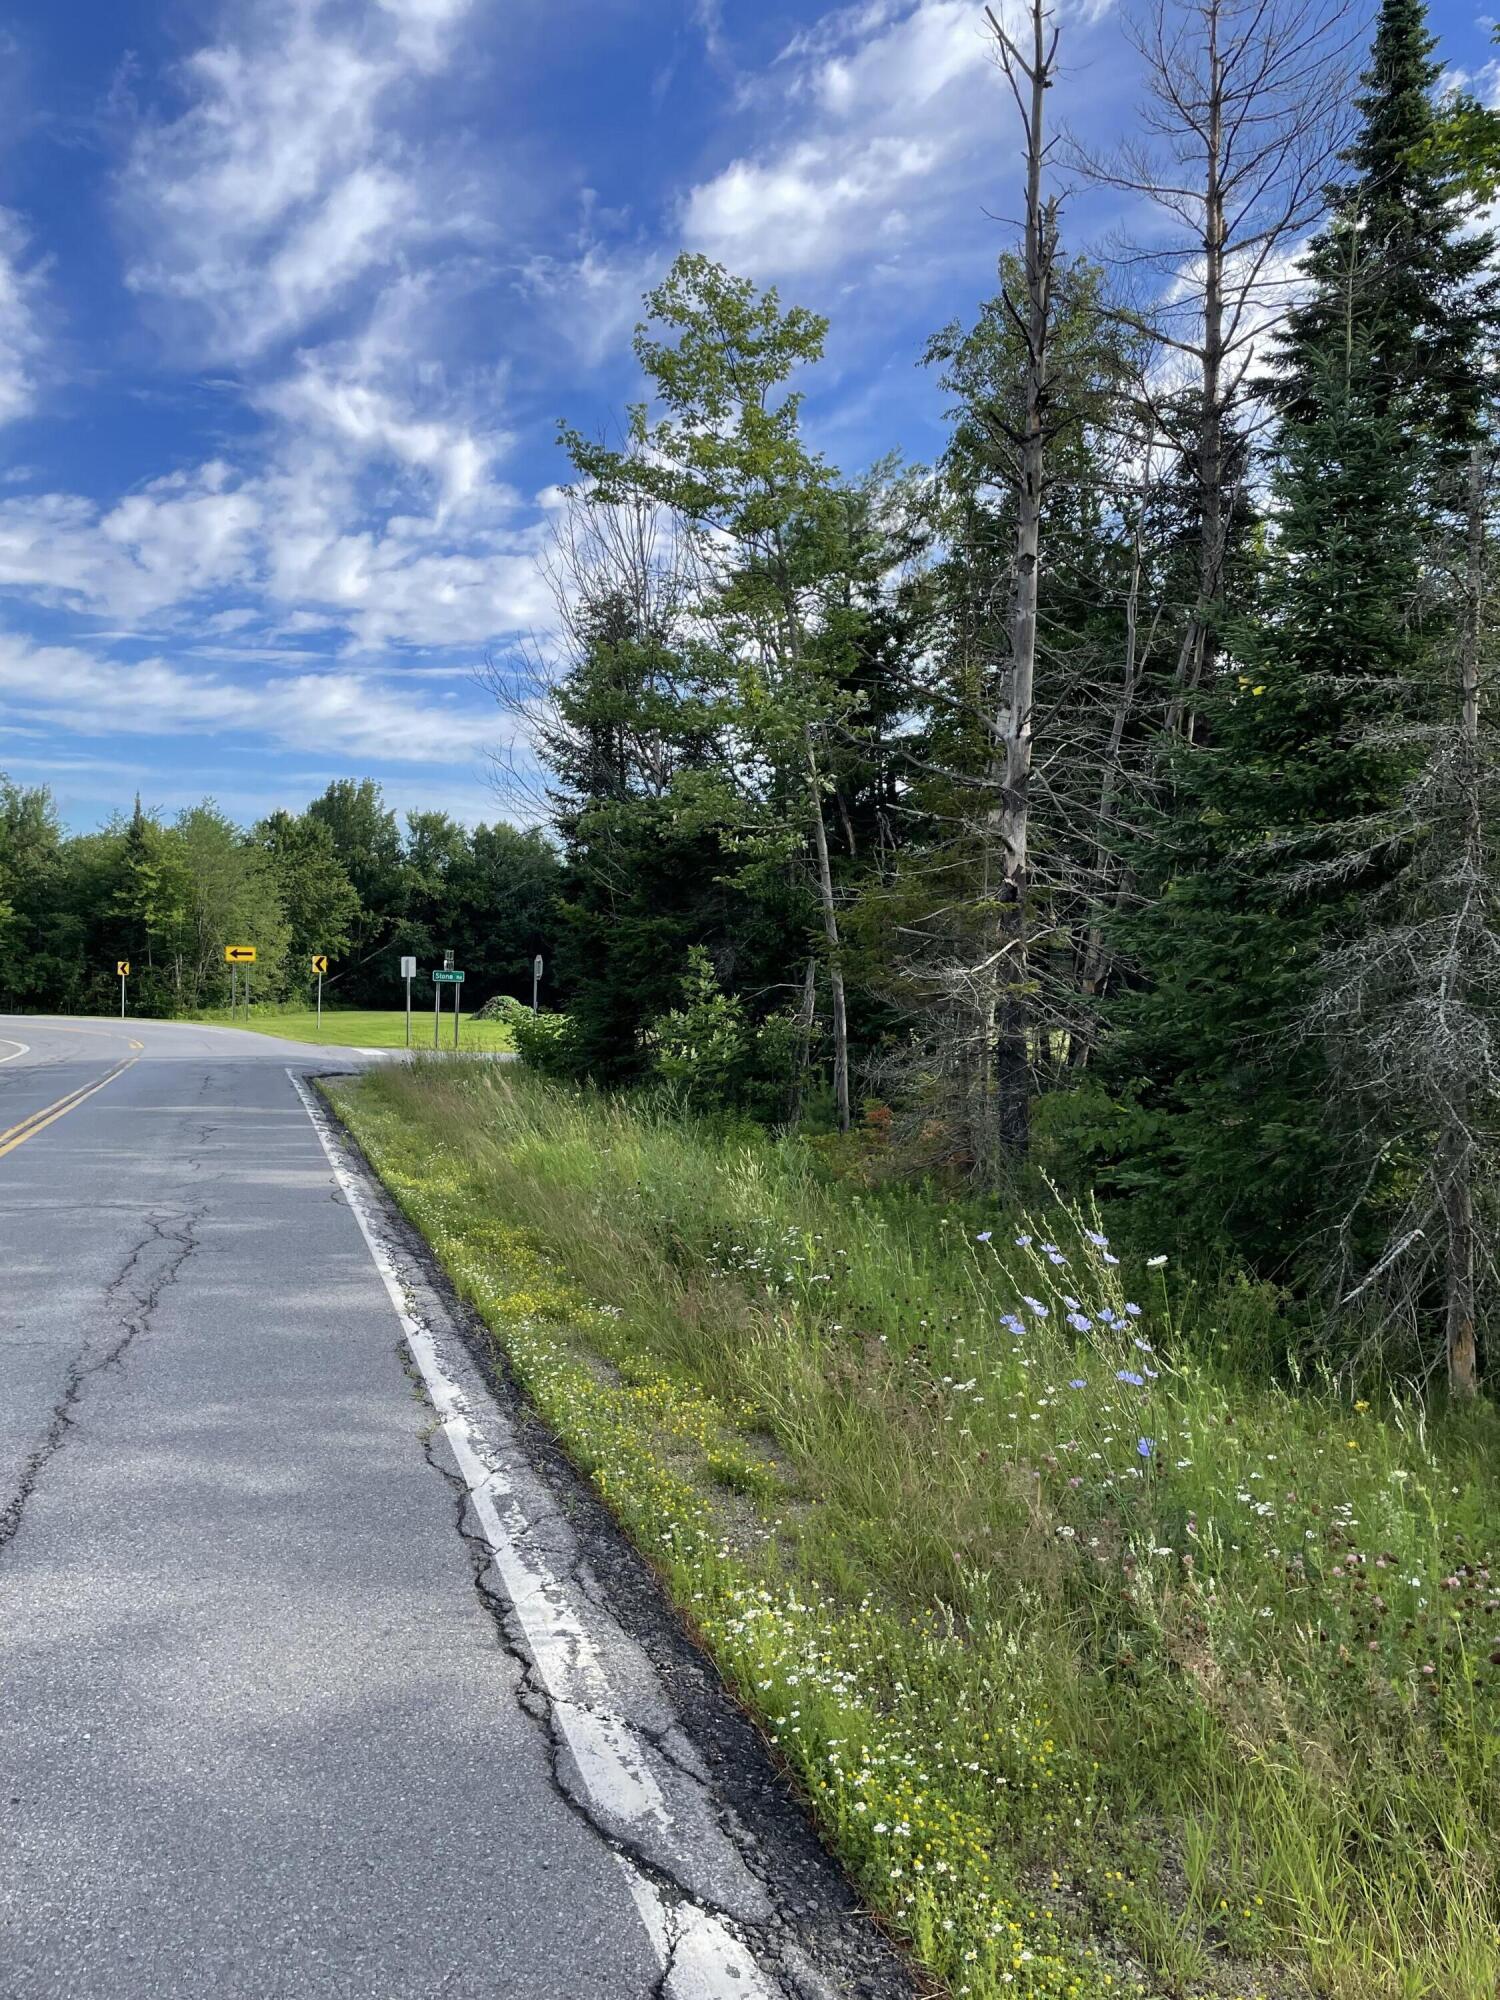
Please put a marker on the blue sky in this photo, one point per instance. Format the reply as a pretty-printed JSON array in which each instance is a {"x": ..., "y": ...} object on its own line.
[{"x": 293, "y": 292}]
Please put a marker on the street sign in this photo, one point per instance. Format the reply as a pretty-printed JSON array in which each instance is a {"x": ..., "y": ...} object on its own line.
[
  {"x": 408, "y": 968},
  {"x": 239, "y": 954},
  {"x": 448, "y": 978},
  {"x": 320, "y": 962},
  {"x": 122, "y": 968},
  {"x": 536, "y": 966}
]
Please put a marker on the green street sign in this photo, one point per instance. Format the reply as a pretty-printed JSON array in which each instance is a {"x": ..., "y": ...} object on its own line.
[{"x": 448, "y": 978}]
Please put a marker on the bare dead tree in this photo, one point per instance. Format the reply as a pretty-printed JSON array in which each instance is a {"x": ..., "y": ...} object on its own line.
[
  {"x": 1030, "y": 76},
  {"x": 1245, "y": 108},
  {"x": 1412, "y": 1011}
]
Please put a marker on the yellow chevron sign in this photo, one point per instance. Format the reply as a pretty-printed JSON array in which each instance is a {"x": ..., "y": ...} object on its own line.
[
  {"x": 239, "y": 954},
  {"x": 320, "y": 962},
  {"x": 122, "y": 968}
]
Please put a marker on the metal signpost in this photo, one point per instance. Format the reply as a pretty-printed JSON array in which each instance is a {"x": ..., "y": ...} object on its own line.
[
  {"x": 320, "y": 966},
  {"x": 408, "y": 973},
  {"x": 122, "y": 966},
  {"x": 447, "y": 977},
  {"x": 536, "y": 978},
  {"x": 240, "y": 954}
]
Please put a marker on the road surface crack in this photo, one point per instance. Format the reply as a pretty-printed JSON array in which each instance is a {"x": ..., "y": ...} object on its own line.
[{"x": 179, "y": 1236}]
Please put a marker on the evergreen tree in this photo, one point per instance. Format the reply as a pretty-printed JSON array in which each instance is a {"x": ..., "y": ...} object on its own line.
[
  {"x": 1423, "y": 297},
  {"x": 1281, "y": 818}
]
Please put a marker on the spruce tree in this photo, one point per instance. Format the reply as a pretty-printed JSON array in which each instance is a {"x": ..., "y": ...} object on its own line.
[{"x": 1280, "y": 821}]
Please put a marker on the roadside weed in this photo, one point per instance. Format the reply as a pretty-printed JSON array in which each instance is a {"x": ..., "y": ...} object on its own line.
[{"x": 1105, "y": 1672}]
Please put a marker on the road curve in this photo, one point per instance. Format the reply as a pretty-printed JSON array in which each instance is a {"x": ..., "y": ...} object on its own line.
[{"x": 260, "y": 1734}]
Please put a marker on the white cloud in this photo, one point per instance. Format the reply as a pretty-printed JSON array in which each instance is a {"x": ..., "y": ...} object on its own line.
[
  {"x": 886, "y": 107},
  {"x": 20, "y": 341},
  {"x": 284, "y": 182},
  {"x": 345, "y": 714}
]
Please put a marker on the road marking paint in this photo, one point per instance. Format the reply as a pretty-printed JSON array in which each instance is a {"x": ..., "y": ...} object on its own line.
[
  {"x": 21, "y": 1048},
  {"x": 707, "y": 1960},
  {"x": 49, "y": 1114}
]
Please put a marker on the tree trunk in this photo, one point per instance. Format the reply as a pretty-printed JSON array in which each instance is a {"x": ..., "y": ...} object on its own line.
[
  {"x": 1456, "y": 1150},
  {"x": 830, "y": 933},
  {"x": 806, "y": 1014},
  {"x": 1011, "y": 743},
  {"x": 1197, "y": 646}
]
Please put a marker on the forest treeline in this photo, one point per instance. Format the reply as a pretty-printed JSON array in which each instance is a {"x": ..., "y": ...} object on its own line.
[
  {"x": 342, "y": 877},
  {"x": 1114, "y": 799}
]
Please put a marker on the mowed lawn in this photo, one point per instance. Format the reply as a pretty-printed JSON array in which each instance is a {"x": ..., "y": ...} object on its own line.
[{"x": 364, "y": 1028}]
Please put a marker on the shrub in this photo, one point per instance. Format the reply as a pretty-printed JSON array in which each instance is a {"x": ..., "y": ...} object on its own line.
[{"x": 543, "y": 1042}]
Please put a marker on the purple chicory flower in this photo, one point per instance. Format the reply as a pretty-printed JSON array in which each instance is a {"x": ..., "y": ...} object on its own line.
[
  {"x": 1144, "y": 1447},
  {"x": 1133, "y": 1310},
  {"x": 984, "y": 1236},
  {"x": 1036, "y": 1305},
  {"x": 1080, "y": 1323},
  {"x": 1129, "y": 1375}
]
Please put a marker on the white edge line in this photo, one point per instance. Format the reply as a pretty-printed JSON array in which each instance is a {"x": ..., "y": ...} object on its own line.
[
  {"x": 707, "y": 1960},
  {"x": 21, "y": 1048}
]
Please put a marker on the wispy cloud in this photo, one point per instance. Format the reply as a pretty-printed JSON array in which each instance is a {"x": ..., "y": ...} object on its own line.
[
  {"x": 285, "y": 179},
  {"x": 883, "y": 108},
  {"x": 91, "y": 695},
  {"x": 20, "y": 337}
]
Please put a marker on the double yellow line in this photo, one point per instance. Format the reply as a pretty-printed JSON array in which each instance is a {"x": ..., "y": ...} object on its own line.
[{"x": 49, "y": 1114}]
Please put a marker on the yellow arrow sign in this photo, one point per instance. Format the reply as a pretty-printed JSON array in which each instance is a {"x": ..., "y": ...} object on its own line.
[
  {"x": 239, "y": 954},
  {"x": 122, "y": 968},
  {"x": 320, "y": 962}
]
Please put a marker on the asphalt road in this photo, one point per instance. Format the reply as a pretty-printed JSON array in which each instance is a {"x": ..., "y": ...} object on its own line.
[{"x": 306, "y": 1685}]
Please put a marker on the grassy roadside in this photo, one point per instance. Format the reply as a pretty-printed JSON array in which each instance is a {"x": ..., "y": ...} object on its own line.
[
  {"x": 1104, "y": 1672},
  {"x": 365, "y": 1028}
]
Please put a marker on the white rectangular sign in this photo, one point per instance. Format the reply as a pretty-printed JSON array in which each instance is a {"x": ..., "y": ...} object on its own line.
[{"x": 408, "y": 968}]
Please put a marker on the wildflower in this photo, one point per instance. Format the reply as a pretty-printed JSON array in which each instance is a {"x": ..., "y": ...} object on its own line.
[
  {"x": 1144, "y": 1447},
  {"x": 1080, "y": 1323},
  {"x": 1129, "y": 1375},
  {"x": 1155, "y": 1263},
  {"x": 1143, "y": 1345},
  {"x": 1133, "y": 1309},
  {"x": 1078, "y": 1382},
  {"x": 1071, "y": 1304},
  {"x": 1036, "y": 1305},
  {"x": 984, "y": 1236},
  {"x": 1099, "y": 1240},
  {"x": 1023, "y": 1242}
]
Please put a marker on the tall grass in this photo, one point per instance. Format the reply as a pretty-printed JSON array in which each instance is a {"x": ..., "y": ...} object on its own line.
[{"x": 1107, "y": 1669}]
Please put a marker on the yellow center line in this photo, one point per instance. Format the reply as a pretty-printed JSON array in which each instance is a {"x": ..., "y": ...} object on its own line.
[{"x": 59, "y": 1108}]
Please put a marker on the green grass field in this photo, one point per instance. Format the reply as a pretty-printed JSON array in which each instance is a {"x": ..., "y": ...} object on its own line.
[
  {"x": 1107, "y": 1666},
  {"x": 364, "y": 1028}
]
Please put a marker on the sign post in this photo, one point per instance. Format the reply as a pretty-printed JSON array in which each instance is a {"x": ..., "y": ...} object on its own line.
[
  {"x": 320, "y": 966},
  {"x": 239, "y": 954},
  {"x": 408, "y": 973},
  {"x": 447, "y": 977},
  {"x": 536, "y": 979},
  {"x": 122, "y": 966}
]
